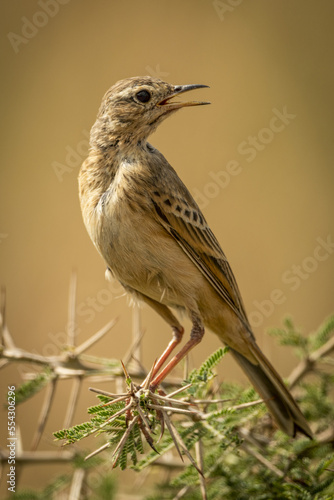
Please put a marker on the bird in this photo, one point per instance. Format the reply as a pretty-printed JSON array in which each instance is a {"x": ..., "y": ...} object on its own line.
[{"x": 157, "y": 243}]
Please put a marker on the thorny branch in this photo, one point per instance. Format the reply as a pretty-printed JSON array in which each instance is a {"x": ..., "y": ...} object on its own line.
[{"x": 72, "y": 363}]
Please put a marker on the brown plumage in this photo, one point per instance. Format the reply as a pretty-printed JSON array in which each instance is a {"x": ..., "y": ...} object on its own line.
[{"x": 156, "y": 242}]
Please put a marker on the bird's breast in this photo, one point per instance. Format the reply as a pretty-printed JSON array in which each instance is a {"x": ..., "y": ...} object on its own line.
[{"x": 141, "y": 254}]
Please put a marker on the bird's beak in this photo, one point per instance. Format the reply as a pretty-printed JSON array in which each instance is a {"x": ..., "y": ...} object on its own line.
[{"x": 177, "y": 90}]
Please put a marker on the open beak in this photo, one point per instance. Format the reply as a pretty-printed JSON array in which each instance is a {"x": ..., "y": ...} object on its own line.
[{"x": 180, "y": 89}]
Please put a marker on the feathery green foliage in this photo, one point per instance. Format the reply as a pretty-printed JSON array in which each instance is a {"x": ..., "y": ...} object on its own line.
[
  {"x": 31, "y": 387},
  {"x": 104, "y": 422},
  {"x": 244, "y": 456}
]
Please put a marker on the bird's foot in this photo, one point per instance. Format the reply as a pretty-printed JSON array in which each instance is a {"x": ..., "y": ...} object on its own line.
[{"x": 146, "y": 407}]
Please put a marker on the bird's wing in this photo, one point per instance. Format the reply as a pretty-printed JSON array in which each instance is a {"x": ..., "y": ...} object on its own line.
[{"x": 187, "y": 225}]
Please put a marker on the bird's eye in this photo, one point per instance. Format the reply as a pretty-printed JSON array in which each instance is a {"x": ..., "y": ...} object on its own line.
[{"x": 143, "y": 96}]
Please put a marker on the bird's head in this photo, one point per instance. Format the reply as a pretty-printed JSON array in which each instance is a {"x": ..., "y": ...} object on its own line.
[{"x": 133, "y": 108}]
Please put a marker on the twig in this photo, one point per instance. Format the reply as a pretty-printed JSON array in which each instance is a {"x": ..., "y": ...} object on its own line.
[
  {"x": 95, "y": 338},
  {"x": 307, "y": 365},
  {"x": 2, "y": 313},
  {"x": 171, "y": 432},
  {"x": 106, "y": 393},
  {"x": 262, "y": 460},
  {"x": 45, "y": 411},
  {"x": 171, "y": 400},
  {"x": 95, "y": 452},
  {"x": 181, "y": 389},
  {"x": 144, "y": 419},
  {"x": 39, "y": 457},
  {"x": 181, "y": 493},
  {"x": 73, "y": 400},
  {"x": 17, "y": 354},
  {"x": 115, "y": 415},
  {"x": 171, "y": 408},
  {"x": 77, "y": 483},
  {"x": 119, "y": 448},
  {"x": 71, "y": 309},
  {"x": 211, "y": 401},
  {"x": 247, "y": 405},
  {"x": 6, "y": 339},
  {"x": 199, "y": 457},
  {"x": 177, "y": 439},
  {"x": 122, "y": 397}
]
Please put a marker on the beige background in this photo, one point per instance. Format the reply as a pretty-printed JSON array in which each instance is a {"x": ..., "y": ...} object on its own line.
[{"x": 256, "y": 57}]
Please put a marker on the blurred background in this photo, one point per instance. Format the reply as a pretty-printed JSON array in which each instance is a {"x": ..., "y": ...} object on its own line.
[{"x": 258, "y": 160}]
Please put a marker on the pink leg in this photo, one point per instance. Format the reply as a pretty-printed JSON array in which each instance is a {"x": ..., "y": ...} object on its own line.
[
  {"x": 196, "y": 336},
  {"x": 177, "y": 337},
  {"x": 177, "y": 328}
]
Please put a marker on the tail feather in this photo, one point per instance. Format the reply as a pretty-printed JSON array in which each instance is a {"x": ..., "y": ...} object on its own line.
[{"x": 272, "y": 389}]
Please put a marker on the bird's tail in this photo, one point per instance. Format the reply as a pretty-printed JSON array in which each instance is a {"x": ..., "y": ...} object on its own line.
[{"x": 272, "y": 389}]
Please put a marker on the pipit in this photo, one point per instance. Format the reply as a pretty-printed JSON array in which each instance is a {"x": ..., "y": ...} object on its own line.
[{"x": 156, "y": 241}]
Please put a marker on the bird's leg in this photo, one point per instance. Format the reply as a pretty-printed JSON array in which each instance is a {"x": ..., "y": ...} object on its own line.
[
  {"x": 196, "y": 336},
  {"x": 178, "y": 330},
  {"x": 177, "y": 337}
]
